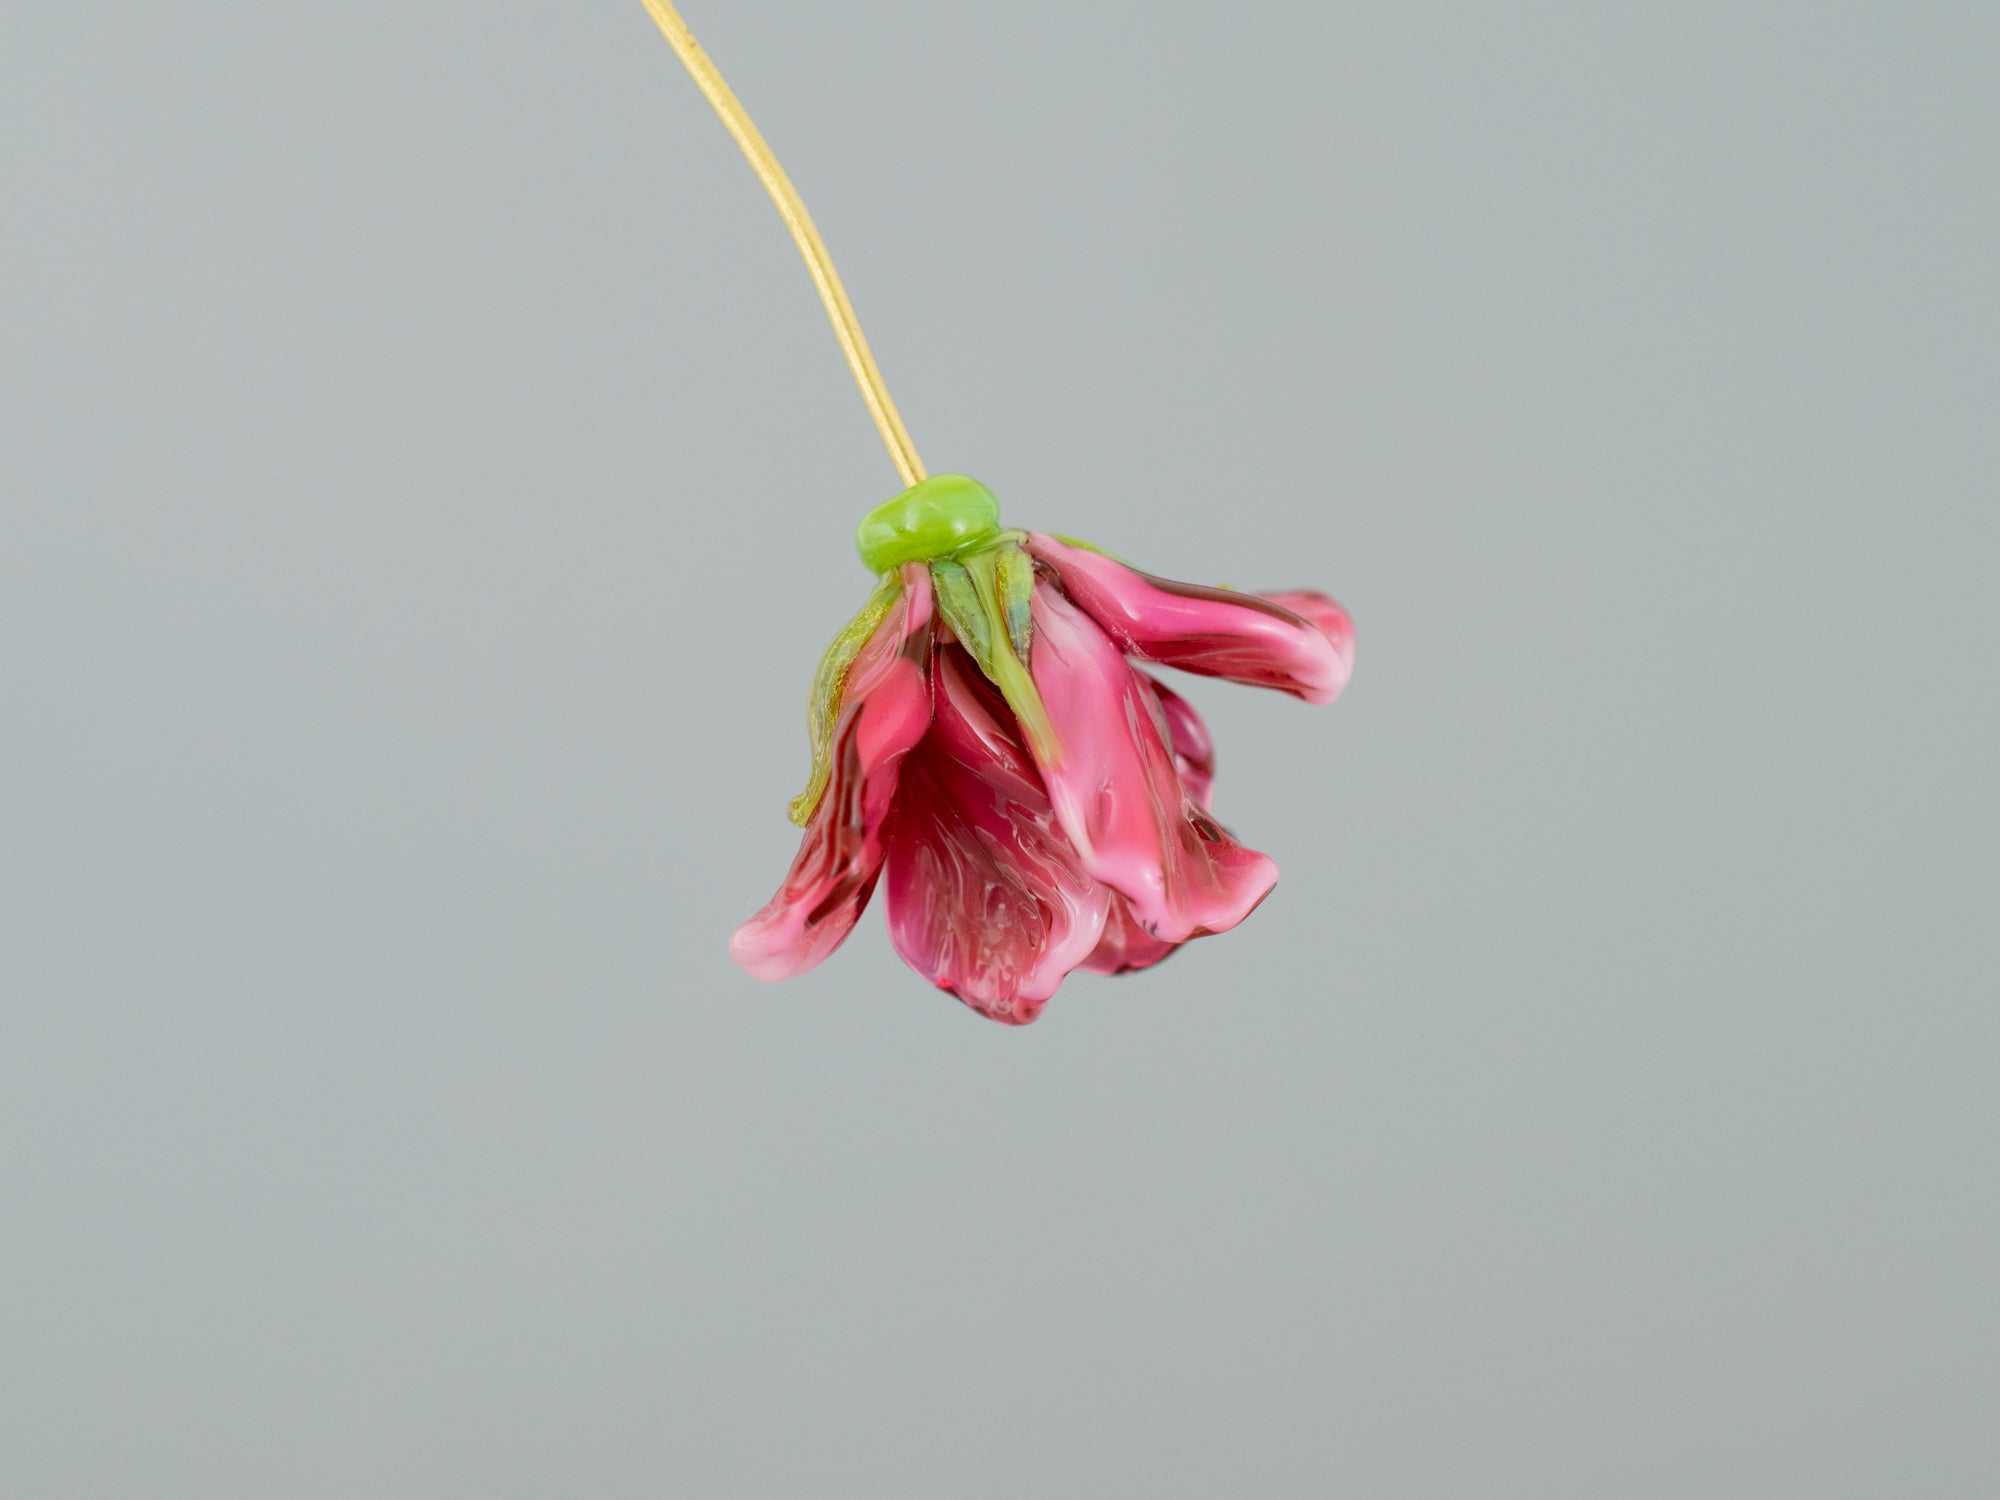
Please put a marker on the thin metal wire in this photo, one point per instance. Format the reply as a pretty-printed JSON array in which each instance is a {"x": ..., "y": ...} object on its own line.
[{"x": 846, "y": 327}]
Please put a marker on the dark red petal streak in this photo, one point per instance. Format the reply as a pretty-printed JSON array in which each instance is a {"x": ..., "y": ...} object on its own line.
[
  {"x": 1217, "y": 632},
  {"x": 1116, "y": 791},
  {"x": 1187, "y": 737},
  {"x": 985, "y": 895},
  {"x": 885, "y": 709}
]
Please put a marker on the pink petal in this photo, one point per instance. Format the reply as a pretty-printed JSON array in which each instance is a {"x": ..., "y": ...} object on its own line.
[
  {"x": 1217, "y": 632},
  {"x": 885, "y": 708},
  {"x": 986, "y": 898},
  {"x": 1125, "y": 945},
  {"x": 1326, "y": 616},
  {"x": 1117, "y": 794},
  {"x": 1187, "y": 736}
]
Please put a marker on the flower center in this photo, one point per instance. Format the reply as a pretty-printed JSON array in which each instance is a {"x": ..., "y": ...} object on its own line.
[{"x": 944, "y": 516}]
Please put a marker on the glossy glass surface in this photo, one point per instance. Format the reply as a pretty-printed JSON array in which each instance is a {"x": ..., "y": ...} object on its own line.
[
  {"x": 986, "y": 749},
  {"x": 943, "y": 516}
]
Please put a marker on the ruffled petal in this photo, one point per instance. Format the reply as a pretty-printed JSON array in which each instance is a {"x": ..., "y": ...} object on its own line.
[
  {"x": 985, "y": 895},
  {"x": 1188, "y": 738},
  {"x": 1117, "y": 794},
  {"x": 1125, "y": 945},
  {"x": 885, "y": 707},
  {"x": 1218, "y": 632}
]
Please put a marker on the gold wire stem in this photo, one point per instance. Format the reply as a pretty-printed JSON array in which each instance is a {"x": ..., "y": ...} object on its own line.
[{"x": 846, "y": 327}]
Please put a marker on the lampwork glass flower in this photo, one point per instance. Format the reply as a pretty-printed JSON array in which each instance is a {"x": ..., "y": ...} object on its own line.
[
  {"x": 984, "y": 748},
  {"x": 1037, "y": 803}
]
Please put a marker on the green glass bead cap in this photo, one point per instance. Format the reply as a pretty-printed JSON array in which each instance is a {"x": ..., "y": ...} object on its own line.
[{"x": 941, "y": 517}]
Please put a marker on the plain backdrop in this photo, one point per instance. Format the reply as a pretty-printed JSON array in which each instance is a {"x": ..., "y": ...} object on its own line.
[{"x": 428, "y": 484}]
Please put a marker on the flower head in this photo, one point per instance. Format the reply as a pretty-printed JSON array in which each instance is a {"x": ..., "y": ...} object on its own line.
[{"x": 984, "y": 744}]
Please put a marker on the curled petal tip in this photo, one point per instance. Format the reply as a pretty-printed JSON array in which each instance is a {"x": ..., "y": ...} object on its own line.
[
  {"x": 775, "y": 945},
  {"x": 1246, "y": 638},
  {"x": 1330, "y": 618}
]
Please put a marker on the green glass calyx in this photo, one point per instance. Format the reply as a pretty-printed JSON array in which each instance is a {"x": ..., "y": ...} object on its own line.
[{"x": 944, "y": 516}]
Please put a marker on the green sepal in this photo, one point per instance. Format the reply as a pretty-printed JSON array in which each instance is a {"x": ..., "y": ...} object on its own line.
[
  {"x": 958, "y": 602},
  {"x": 823, "y": 707},
  {"x": 1015, "y": 572},
  {"x": 982, "y": 611}
]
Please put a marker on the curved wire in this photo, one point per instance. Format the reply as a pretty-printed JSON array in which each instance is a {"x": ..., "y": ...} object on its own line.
[{"x": 846, "y": 327}]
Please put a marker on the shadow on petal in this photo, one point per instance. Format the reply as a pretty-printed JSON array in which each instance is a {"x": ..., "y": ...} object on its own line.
[
  {"x": 985, "y": 896},
  {"x": 1188, "y": 737},
  {"x": 1126, "y": 945}
]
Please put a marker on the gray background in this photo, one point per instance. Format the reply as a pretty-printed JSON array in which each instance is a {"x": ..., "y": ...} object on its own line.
[{"x": 427, "y": 486}]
